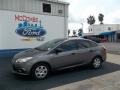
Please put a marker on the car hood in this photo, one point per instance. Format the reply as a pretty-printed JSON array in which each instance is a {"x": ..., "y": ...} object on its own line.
[{"x": 29, "y": 53}]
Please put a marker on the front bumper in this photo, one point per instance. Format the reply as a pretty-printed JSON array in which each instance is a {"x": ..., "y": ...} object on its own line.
[
  {"x": 19, "y": 70},
  {"x": 22, "y": 69},
  {"x": 19, "y": 73}
]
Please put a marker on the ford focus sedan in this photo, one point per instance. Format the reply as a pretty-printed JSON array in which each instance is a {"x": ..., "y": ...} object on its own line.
[{"x": 58, "y": 54}]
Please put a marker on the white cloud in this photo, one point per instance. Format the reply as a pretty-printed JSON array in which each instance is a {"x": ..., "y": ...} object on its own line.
[
  {"x": 113, "y": 17},
  {"x": 79, "y": 10}
]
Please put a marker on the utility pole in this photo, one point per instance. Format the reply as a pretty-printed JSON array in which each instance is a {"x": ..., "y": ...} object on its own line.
[{"x": 82, "y": 25}]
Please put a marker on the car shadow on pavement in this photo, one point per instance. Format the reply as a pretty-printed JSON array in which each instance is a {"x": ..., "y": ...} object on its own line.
[{"x": 56, "y": 79}]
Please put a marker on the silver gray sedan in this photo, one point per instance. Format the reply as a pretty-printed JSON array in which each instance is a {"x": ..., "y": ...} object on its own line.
[{"x": 58, "y": 54}]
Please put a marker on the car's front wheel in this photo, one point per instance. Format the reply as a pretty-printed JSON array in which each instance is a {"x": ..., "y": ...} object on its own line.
[
  {"x": 96, "y": 63},
  {"x": 40, "y": 71}
]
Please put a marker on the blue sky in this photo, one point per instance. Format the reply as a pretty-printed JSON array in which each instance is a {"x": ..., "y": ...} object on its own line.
[{"x": 79, "y": 10}]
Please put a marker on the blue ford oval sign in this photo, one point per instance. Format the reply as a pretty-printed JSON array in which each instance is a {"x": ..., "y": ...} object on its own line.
[{"x": 30, "y": 30}]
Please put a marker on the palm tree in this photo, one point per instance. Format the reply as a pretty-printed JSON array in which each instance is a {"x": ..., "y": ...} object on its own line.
[
  {"x": 91, "y": 20},
  {"x": 80, "y": 31},
  {"x": 100, "y": 17},
  {"x": 74, "y": 33}
]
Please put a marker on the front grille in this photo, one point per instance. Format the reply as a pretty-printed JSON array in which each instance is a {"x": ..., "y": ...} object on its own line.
[{"x": 18, "y": 69}]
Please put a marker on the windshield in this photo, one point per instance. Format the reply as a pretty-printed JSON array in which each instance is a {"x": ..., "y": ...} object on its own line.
[{"x": 50, "y": 44}]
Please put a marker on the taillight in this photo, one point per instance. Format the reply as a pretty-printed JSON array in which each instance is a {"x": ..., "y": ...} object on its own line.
[{"x": 104, "y": 49}]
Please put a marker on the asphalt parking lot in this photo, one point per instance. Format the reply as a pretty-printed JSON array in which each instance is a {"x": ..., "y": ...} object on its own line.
[{"x": 80, "y": 78}]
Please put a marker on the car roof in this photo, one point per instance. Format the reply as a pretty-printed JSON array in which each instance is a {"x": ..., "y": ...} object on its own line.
[
  {"x": 75, "y": 38},
  {"x": 78, "y": 38}
]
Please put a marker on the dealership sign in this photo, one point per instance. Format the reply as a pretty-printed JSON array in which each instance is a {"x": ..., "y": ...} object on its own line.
[{"x": 29, "y": 27}]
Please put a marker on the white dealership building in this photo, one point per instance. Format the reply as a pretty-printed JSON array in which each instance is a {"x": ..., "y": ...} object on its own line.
[
  {"x": 109, "y": 31},
  {"x": 28, "y": 23}
]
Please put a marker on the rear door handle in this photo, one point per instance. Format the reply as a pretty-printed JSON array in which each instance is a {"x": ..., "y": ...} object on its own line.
[
  {"x": 73, "y": 53},
  {"x": 91, "y": 50}
]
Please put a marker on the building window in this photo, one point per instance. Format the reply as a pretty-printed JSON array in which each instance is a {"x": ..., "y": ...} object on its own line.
[
  {"x": 118, "y": 36},
  {"x": 109, "y": 28},
  {"x": 46, "y": 8},
  {"x": 60, "y": 11},
  {"x": 89, "y": 29}
]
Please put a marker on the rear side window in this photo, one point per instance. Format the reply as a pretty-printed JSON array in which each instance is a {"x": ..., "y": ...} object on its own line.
[
  {"x": 93, "y": 44},
  {"x": 87, "y": 44}
]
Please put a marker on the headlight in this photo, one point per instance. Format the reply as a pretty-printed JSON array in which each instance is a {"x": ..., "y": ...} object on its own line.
[{"x": 22, "y": 60}]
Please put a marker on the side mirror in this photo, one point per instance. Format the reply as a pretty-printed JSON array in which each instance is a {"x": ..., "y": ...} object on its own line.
[{"x": 58, "y": 50}]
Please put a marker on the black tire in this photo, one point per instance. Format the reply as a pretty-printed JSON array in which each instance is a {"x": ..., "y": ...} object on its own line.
[
  {"x": 40, "y": 71},
  {"x": 96, "y": 63}
]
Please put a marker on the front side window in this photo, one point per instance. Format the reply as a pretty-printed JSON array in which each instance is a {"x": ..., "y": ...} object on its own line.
[
  {"x": 50, "y": 44},
  {"x": 80, "y": 45},
  {"x": 69, "y": 45}
]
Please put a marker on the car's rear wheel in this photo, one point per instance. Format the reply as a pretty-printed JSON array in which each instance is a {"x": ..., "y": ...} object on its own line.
[
  {"x": 96, "y": 63},
  {"x": 40, "y": 71}
]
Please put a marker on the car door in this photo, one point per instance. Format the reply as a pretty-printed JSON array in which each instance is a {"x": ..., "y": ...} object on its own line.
[
  {"x": 68, "y": 55},
  {"x": 85, "y": 52},
  {"x": 81, "y": 53}
]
